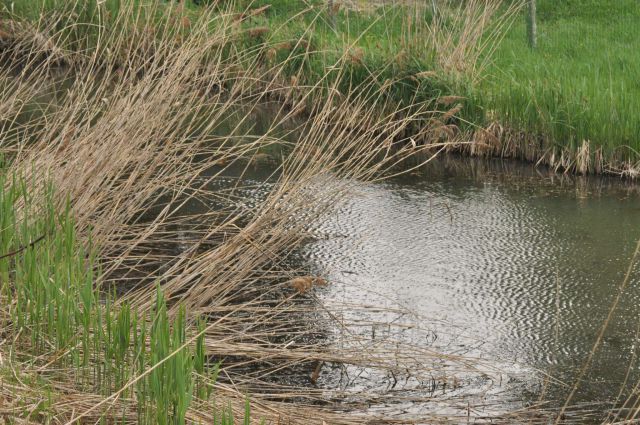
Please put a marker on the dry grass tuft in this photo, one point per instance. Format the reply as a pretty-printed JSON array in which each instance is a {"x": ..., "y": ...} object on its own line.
[
  {"x": 306, "y": 283},
  {"x": 462, "y": 34},
  {"x": 258, "y": 32}
]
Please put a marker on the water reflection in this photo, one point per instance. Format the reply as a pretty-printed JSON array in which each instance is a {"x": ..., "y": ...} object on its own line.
[{"x": 523, "y": 262}]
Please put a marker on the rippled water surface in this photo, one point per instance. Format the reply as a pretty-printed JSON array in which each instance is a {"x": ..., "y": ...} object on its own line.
[{"x": 527, "y": 264}]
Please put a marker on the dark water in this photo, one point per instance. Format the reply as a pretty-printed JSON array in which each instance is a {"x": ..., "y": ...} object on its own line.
[
  {"x": 495, "y": 260},
  {"x": 525, "y": 263}
]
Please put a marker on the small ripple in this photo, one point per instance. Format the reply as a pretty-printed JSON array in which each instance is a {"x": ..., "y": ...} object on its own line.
[{"x": 530, "y": 277}]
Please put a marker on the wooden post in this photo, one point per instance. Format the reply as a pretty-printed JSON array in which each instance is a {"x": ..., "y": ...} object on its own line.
[
  {"x": 532, "y": 29},
  {"x": 332, "y": 14}
]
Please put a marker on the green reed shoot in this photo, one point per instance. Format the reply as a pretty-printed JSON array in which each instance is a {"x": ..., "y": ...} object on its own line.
[{"x": 53, "y": 292}]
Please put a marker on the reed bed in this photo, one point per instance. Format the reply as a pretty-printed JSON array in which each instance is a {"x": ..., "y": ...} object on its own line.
[
  {"x": 141, "y": 281},
  {"x": 122, "y": 304}
]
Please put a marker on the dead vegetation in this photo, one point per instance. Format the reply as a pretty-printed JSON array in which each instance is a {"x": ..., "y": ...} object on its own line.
[{"x": 497, "y": 140}]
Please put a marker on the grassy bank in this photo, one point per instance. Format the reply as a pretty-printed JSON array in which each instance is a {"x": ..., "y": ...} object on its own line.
[
  {"x": 578, "y": 86},
  {"x": 570, "y": 104}
]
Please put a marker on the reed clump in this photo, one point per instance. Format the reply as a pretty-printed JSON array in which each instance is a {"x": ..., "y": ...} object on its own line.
[
  {"x": 145, "y": 284},
  {"x": 65, "y": 331}
]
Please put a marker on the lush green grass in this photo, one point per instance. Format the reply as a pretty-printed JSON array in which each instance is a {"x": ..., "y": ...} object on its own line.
[
  {"x": 379, "y": 47},
  {"x": 582, "y": 81}
]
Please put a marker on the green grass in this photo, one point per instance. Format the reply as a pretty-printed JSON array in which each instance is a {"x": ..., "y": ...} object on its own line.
[
  {"x": 377, "y": 47},
  {"x": 57, "y": 309},
  {"x": 581, "y": 83}
]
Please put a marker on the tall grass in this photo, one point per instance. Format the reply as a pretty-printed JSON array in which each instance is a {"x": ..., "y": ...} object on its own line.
[
  {"x": 568, "y": 104},
  {"x": 59, "y": 316},
  {"x": 576, "y": 91},
  {"x": 410, "y": 53}
]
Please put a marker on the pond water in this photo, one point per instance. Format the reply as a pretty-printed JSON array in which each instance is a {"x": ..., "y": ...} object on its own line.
[
  {"x": 525, "y": 263},
  {"x": 511, "y": 265}
]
